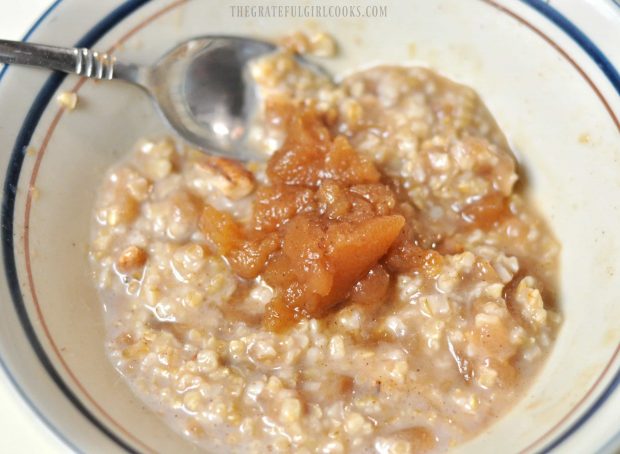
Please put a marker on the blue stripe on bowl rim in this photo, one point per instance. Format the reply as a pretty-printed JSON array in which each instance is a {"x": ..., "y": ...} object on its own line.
[
  {"x": 613, "y": 76},
  {"x": 580, "y": 38},
  {"x": 12, "y": 178}
]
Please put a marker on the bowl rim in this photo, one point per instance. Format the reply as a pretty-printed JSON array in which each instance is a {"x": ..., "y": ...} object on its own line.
[
  {"x": 40, "y": 104},
  {"x": 8, "y": 198}
]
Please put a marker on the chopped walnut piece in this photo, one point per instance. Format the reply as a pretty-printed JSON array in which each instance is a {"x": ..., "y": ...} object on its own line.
[
  {"x": 131, "y": 258},
  {"x": 227, "y": 175}
]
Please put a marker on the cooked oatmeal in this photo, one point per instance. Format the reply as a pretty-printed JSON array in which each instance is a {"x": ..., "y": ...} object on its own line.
[{"x": 376, "y": 285}]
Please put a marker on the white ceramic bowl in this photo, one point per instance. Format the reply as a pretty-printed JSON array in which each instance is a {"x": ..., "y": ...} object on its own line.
[{"x": 555, "y": 94}]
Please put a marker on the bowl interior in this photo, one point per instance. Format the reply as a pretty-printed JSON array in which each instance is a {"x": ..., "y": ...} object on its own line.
[{"x": 567, "y": 146}]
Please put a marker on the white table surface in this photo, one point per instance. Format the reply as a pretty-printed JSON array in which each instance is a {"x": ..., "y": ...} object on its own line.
[{"x": 21, "y": 431}]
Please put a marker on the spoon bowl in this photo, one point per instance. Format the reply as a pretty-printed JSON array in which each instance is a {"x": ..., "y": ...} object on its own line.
[{"x": 204, "y": 91}]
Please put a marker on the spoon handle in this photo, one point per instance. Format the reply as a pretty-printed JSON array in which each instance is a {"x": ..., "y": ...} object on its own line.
[{"x": 81, "y": 61}]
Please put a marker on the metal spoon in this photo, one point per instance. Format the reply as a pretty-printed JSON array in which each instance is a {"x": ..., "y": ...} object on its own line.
[{"x": 201, "y": 87}]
